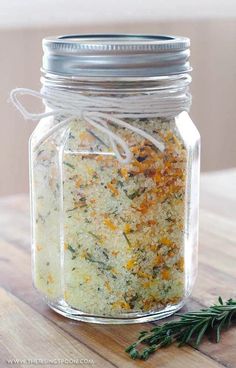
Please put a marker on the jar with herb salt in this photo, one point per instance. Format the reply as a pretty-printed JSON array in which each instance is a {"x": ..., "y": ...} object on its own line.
[{"x": 114, "y": 165}]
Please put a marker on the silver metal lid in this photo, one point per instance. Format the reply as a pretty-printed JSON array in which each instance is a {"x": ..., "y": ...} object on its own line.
[{"x": 116, "y": 55}]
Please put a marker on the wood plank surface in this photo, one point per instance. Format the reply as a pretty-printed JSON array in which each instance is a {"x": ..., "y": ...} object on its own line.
[
  {"x": 30, "y": 330},
  {"x": 27, "y": 335}
]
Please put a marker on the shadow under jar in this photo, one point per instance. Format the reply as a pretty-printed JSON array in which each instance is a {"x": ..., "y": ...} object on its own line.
[{"x": 115, "y": 222}]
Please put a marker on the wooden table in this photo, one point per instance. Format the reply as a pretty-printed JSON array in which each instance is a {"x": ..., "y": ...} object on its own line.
[{"x": 30, "y": 330}]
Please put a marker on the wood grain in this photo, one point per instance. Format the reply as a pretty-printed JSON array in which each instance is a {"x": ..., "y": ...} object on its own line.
[
  {"x": 27, "y": 335},
  {"x": 55, "y": 337}
]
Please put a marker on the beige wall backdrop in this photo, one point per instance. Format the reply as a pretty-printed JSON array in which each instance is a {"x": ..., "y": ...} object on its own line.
[{"x": 213, "y": 56}]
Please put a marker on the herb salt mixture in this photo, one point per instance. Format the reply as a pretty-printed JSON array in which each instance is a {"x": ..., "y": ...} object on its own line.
[{"x": 123, "y": 224}]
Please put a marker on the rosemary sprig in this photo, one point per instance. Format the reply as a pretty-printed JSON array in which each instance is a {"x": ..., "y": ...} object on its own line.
[{"x": 189, "y": 329}]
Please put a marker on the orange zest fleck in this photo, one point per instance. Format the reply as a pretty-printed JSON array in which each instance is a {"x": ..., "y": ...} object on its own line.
[
  {"x": 147, "y": 284},
  {"x": 84, "y": 254},
  {"x": 165, "y": 274},
  {"x": 107, "y": 286},
  {"x": 166, "y": 241},
  {"x": 145, "y": 205},
  {"x": 120, "y": 304},
  {"x": 127, "y": 228},
  {"x": 180, "y": 264},
  {"x": 113, "y": 189},
  {"x": 158, "y": 260},
  {"x": 50, "y": 279},
  {"x": 149, "y": 303},
  {"x": 144, "y": 275},
  {"x": 87, "y": 279},
  {"x": 114, "y": 271},
  {"x": 124, "y": 172},
  {"x": 115, "y": 252},
  {"x": 86, "y": 137},
  {"x": 139, "y": 226},
  {"x": 78, "y": 183},
  {"x": 153, "y": 247},
  {"x": 151, "y": 222},
  {"x": 109, "y": 224},
  {"x": 131, "y": 263}
]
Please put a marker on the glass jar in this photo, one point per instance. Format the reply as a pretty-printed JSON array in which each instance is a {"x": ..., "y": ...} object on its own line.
[{"x": 115, "y": 220}]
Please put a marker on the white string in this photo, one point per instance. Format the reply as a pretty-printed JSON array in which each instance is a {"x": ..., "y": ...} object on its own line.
[{"x": 100, "y": 111}]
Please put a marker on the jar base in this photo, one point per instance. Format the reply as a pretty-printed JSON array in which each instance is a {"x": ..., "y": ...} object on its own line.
[{"x": 130, "y": 318}]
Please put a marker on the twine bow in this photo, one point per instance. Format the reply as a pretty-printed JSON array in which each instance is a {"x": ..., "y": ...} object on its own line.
[{"x": 100, "y": 112}]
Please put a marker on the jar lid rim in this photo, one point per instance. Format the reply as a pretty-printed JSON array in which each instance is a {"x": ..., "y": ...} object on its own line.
[
  {"x": 116, "y": 54},
  {"x": 117, "y": 42}
]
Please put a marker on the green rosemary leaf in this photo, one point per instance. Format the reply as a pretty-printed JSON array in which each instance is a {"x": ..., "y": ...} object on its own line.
[
  {"x": 200, "y": 335},
  {"x": 72, "y": 209},
  {"x": 132, "y": 195},
  {"x": 219, "y": 328},
  {"x": 218, "y": 333},
  {"x": 142, "y": 333},
  {"x": 213, "y": 322},
  {"x": 101, "y": 264},
  {"x": 130, "y": 347},
  {"x": 231, "y": 315},
  {"x": 134, "y": 354},
  {"x": 68, "y": 164},
  {"x": 145, "y": 353},
  {"x": 189, "y": 332},
  {"x": 189, "y": 329},
  {"x": 94, "y": 235},
  {"x": 127, "y": 239},
  {"x": 97, "y": 138},
  {"x": 70, "y": 248}
]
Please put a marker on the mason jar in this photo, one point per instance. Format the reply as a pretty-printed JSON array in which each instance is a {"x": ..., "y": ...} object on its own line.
[{"x": 114, "y": 165}]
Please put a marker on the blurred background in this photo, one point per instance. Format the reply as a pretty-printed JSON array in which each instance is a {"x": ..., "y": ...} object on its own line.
[{"x": 211, "y": 25}]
